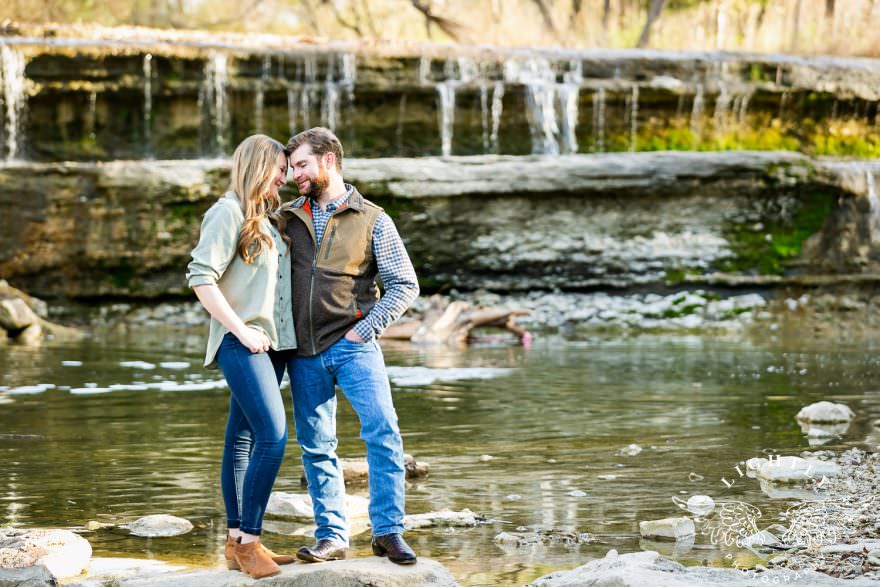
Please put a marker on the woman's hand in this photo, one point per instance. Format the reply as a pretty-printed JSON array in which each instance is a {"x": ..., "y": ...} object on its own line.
[
  {"x": 254, "y": 340},
  {"x": 212, "y": 299}
]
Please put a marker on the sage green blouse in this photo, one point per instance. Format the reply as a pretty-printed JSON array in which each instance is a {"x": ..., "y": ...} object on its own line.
[{"x": 258, "y": 292}]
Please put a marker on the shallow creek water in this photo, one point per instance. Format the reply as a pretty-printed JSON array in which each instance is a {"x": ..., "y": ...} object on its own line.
[{"x": 552, "y": 418}]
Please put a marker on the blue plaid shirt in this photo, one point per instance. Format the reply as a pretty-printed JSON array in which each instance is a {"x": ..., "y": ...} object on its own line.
[{"x": 395, "y": 268}]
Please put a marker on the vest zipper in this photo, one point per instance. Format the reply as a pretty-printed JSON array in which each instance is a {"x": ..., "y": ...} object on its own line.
[
  {"x": 311, "y": 297},
  {"x": 330, "y": 242}
]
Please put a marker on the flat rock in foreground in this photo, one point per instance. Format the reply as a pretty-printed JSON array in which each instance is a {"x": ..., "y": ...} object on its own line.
[
  {"x": 367, "y": 572},
  {"x": 639, "y": 569}
]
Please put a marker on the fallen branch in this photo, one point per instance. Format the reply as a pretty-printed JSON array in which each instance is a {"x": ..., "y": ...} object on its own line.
[{"x": 451, "y": 323}]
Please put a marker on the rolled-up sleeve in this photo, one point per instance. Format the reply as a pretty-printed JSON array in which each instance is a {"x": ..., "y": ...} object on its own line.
[{"x": 218, "y": 240}]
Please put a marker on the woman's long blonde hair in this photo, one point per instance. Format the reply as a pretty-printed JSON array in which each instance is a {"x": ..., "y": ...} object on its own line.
[{"x": 253, "y": 172}]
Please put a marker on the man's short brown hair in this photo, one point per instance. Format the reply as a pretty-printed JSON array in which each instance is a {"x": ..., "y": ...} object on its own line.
[{"x": 321, "y": 140}]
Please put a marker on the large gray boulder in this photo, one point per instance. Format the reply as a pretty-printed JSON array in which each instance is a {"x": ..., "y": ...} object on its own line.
[
  {"x": 61, "y": 552},
  {"x": 368, "y": 572},
  {"x": 36, "y": 576},
  {"x": 641, "y": 569}
]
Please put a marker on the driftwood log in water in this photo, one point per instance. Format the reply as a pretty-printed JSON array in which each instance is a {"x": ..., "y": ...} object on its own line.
[{"x": 448, "y": 322}]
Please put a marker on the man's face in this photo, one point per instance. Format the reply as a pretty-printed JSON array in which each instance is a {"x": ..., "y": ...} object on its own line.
[{"x": 309, "y": 172}]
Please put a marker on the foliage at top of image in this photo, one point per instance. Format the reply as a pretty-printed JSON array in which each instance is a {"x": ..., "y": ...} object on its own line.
[{"x": 796, "y": 26}]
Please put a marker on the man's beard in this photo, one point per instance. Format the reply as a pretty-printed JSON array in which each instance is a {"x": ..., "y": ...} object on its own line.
[{"x": 319, "y": 183}]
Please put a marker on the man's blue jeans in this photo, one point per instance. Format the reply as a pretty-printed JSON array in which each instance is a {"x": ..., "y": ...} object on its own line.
[
  {"x": 359, "y": 369},
  {"x": 256, "y": 432}
]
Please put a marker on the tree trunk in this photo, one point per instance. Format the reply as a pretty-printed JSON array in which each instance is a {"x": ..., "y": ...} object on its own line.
[
  {"x": 829, "y": 9},
  {"x": 606, "y": 16},
  {"x": 795, "y": 25},
  {"x": 653, "y": 14}
]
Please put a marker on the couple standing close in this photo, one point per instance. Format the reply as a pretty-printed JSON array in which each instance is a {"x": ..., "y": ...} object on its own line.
[{"x": 293, "y": 287}]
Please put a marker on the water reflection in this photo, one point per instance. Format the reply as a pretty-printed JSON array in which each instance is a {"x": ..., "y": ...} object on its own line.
[{"x": 534, "y": 444}]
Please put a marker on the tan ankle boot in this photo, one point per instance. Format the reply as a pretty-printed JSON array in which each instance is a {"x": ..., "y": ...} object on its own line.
[
  {"x": 232, "y": 564},
  {"x": 253, "y": 560}
]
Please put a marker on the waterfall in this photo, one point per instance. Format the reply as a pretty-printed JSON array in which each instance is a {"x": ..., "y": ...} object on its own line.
[
  {"x": 540, "y": 82},
  {"x": 446, "y": 93},
  {"x": 148, "y": 103},
  {"x": 697, "y": 113},
  {"x": 259, "y": 98},
  {"x": 552, "y": 105},
  {"x": 12, "y": 79},
  {"x": 722, "y": 109},
  {"x": 569, "y": 94},
  {"x": 484, "y": 115},
  {"x": 291, "y": 111},
  {"x": 497, "y": 106},
  {"x": 425, "y": 71},
  {"x": 214, "y": 89},
  {"x": 335, "y": 89},
  {"x": 458, "y": 72},
  {"x": 568, "y": 101},
  {"x": 599, "y": 120},
  {"x": 634, "y": 120},
  {"x": 92, "y": 116}
]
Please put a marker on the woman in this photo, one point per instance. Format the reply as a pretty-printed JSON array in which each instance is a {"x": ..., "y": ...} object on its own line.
[{"x": 240, "y": 273}]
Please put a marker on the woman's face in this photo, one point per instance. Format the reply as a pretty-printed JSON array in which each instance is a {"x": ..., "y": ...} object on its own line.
[{"x": 280, "y": 175}]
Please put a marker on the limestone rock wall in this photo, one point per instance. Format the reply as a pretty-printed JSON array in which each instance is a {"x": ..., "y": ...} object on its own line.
[{"x": 505, "y": 223}]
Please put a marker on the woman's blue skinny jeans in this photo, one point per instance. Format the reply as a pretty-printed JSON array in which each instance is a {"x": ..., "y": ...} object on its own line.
[{"x": 256, "y": 432}]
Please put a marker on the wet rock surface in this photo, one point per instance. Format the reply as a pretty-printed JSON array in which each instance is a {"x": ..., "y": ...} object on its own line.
[
  {"x": 349, "y": 573},
  {"x": 649, "y": 568},
  {"x": 60, "y": 552},
  {"x": 837, "y": 535}
]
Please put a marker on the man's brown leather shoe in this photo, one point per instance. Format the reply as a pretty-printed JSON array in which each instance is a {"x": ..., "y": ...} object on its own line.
[
  {"x": 324, "y": 550},
  {"x": 395, "y": 548}
]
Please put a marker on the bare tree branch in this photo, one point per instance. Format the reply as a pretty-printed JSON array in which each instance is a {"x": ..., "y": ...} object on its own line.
[
  {"x": 447, "y": 25},
  {"x": 354, "y": 26},
  {"x": 365, "y": 6},
  {"x": 653, "y": 13},
  {"x": 547, "y": 17}
]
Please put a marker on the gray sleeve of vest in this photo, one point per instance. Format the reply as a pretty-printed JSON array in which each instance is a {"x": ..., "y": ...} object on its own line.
[{"x": 398, "y": 277}]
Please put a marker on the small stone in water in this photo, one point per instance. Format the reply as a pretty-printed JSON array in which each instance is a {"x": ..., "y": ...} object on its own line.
[
  {"x": 695, "y": 477},
  {"x": 700, "y": 505},
  {"x": 486, "y": 458},
  {"x": 630, "y": 451},
  {"x": 71, "y": 363},
  {"x": 174, "y": 365},
  {"x": 513, "y": 497},
  {"x": 137, "y": 364},
  {"x": 577, "y": 493},
  {"x": 607, "y": 477}
]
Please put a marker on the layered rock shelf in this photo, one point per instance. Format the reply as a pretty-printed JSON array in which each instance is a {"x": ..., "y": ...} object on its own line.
[{"x": 578, "y": 222}]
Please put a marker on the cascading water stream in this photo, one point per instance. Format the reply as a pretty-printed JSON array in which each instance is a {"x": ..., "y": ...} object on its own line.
[
  {"x": 214, "y": 89},
  {"x": 599, "y": 120},
  {"x": 148, "y": 103},
  {"x": 12, "y": 79},
  {"x": 634, "y": 120},
  {"x": 259, "y": 96},
  {"x": 497, "y": 109}
]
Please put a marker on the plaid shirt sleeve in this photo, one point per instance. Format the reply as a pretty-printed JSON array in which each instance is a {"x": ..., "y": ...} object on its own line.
[{"x": 398, "y": 277}]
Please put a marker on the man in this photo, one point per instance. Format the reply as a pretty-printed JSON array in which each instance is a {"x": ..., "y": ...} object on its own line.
[{"x": 340, "y": 243}]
